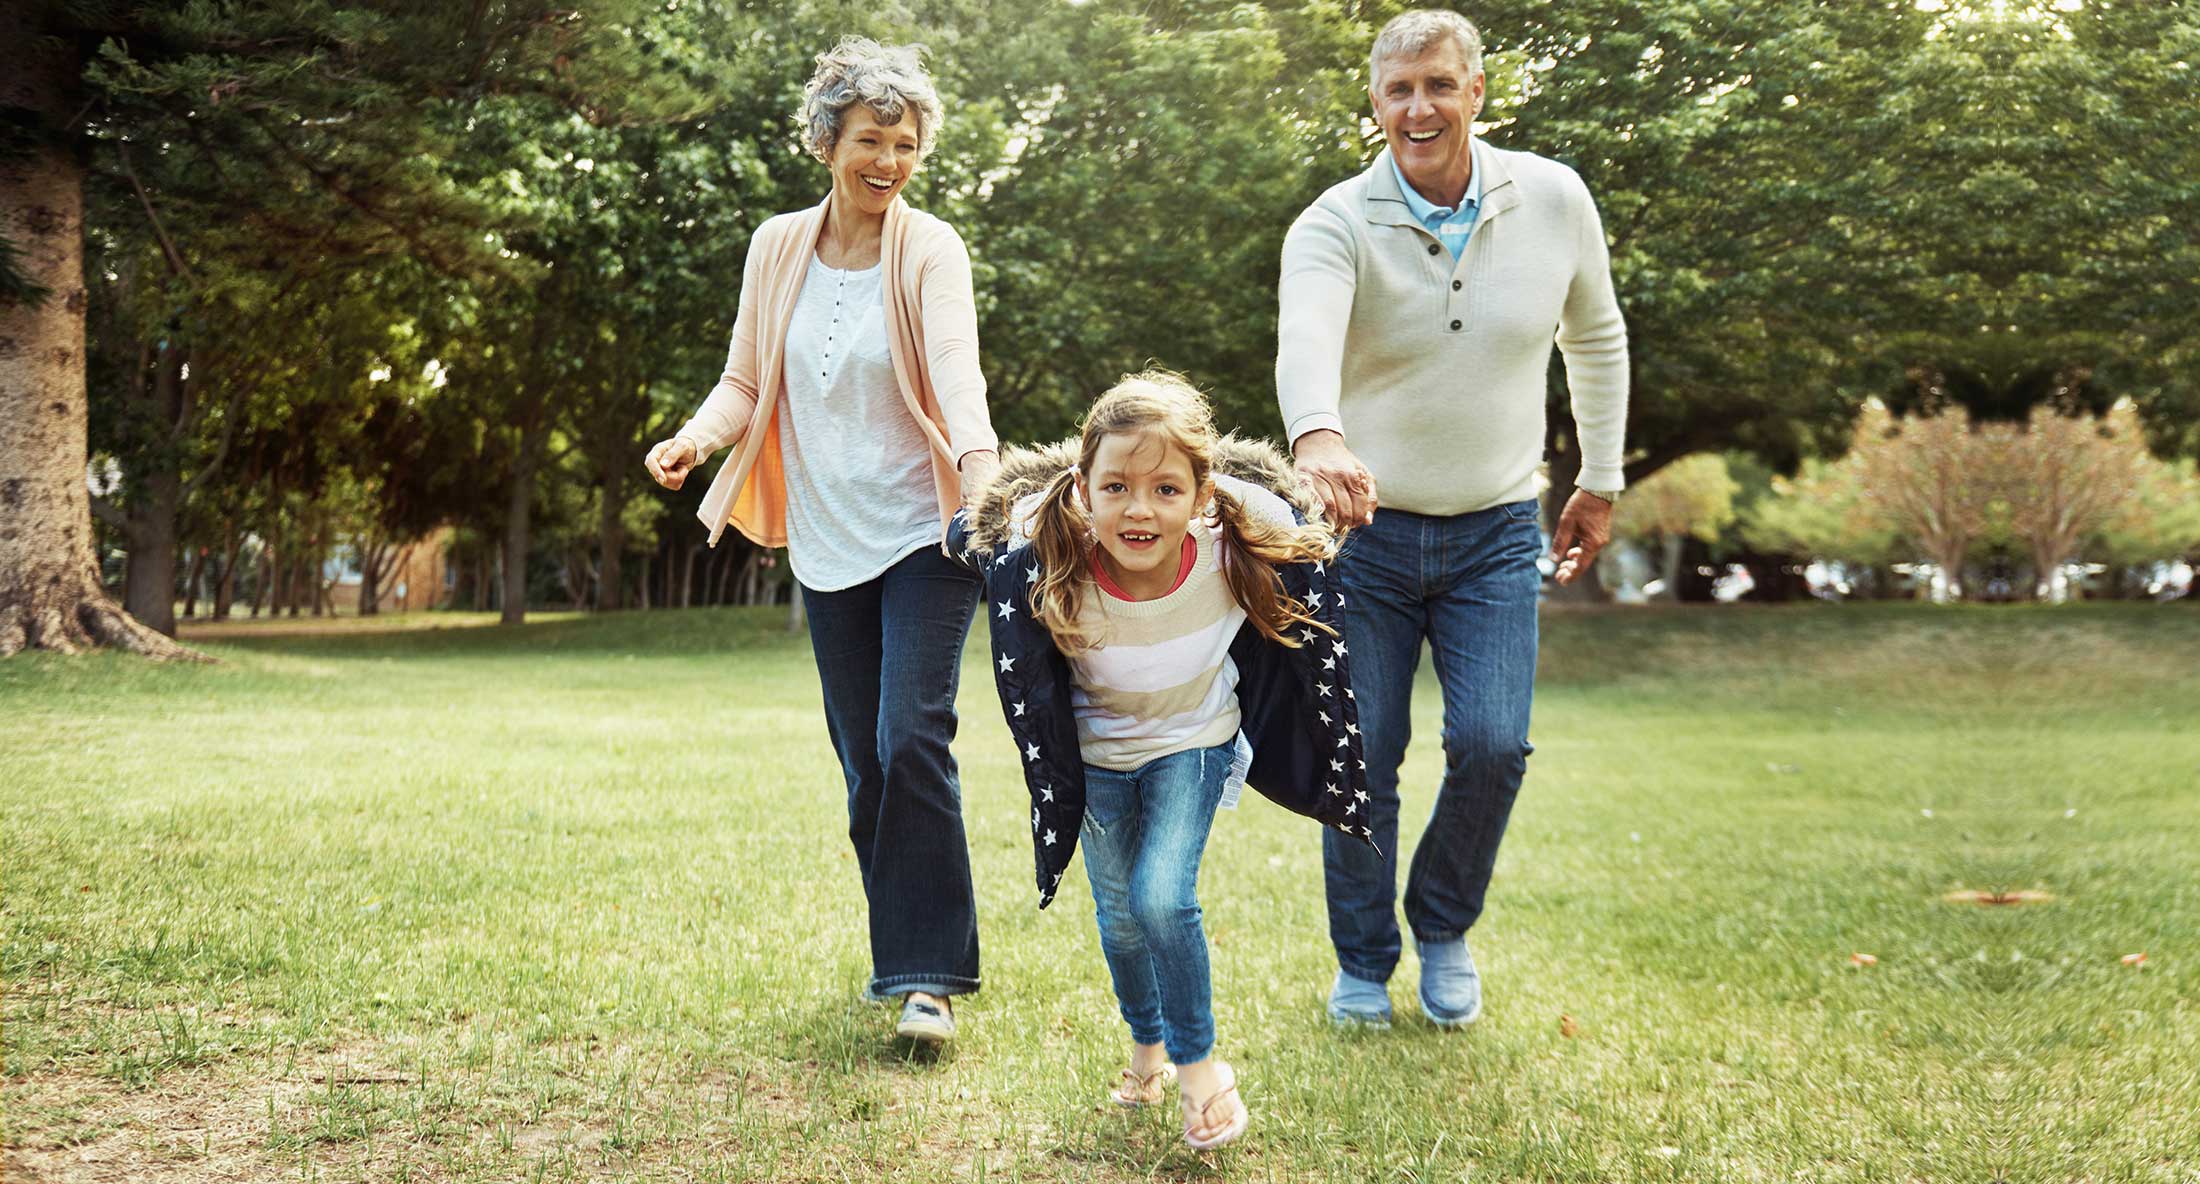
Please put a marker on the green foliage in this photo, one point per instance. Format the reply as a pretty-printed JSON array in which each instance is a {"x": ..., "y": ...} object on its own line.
[
  {"x": 1693, "y": 496},
  {"x": 1807, "y": 203},
  {"x": 1820, "y": 513},
  {"x": 2158, "y": 522}
]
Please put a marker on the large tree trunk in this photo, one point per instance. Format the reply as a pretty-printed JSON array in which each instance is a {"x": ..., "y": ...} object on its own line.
[
  {"x": 149, "y": 580},
  {"x": 50, "y": 596}
]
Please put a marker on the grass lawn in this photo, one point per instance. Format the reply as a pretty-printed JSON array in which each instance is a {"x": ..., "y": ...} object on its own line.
[{"x": 574, "y": 901}]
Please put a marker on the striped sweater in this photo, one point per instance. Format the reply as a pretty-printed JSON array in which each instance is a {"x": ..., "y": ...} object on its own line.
[{"x": 1160, "y": 679}]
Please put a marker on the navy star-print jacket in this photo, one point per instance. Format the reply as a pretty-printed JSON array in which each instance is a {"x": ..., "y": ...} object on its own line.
[{"x": 1296, "y": 705}]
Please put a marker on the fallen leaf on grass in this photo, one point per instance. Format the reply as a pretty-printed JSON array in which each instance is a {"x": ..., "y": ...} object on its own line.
[
  {"x": 1567, "y": 1025},
  {"x": 1999, "y": 897},
  {"x": 1863, "y": 960},
  {"x": 2138, "y": 959}
]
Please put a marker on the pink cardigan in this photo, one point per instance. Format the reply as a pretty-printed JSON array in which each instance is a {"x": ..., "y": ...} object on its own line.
[{"x": 931, "y": 334}]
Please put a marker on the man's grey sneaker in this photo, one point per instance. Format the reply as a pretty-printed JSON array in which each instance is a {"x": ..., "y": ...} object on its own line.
[
  {"x": 1356, "y": 1001},
  {"x": 1451, "y": 989},
  {"x": 926, "y": 1023}
]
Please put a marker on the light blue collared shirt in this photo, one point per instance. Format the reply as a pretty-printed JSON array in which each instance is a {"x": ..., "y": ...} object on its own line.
[{"x": 1451, "y": 225}]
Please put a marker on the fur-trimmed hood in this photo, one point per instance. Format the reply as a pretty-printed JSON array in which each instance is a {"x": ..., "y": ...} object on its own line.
[{"x": 1025, "y": 470}]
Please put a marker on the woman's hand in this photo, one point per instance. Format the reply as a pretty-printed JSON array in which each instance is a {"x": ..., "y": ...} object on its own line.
[
  {"x": 977, "y": 470},
  {"x": 670, "y": 462}
]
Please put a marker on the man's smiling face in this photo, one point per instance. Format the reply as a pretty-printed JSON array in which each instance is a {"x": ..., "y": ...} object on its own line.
[{"x": 1426, "y": 105}]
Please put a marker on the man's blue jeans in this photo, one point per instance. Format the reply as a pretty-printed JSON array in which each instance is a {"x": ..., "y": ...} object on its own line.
[
  {"x": 1466, "y": 583},
  {"x": 1143, "y": 835},
  {"x": 889, "y": 654}
]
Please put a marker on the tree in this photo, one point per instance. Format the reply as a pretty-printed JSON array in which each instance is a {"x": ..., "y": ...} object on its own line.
[
  {"x": 1934, "y": 479},
  {"x": 50, "y": 594},
  {"x": 1691, "y": 498},
  {"x": 2071, "y": 475},
  {"x": 1821, "y": 513},
  {"x": 342, "y": 106},
  {"x": 2158, "y": 523}
]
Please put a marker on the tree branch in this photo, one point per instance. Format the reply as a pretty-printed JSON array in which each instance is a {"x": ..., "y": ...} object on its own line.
[{"x": 167, "y": 244}]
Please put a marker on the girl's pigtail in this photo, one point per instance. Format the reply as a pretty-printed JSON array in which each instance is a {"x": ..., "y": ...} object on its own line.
[
  {"x": 1254, "y": 548},
  {"x": 1058, "y": 535}
]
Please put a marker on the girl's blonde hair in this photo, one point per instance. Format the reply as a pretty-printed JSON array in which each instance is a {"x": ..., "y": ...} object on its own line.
[{"x": 1164, "y": 404}]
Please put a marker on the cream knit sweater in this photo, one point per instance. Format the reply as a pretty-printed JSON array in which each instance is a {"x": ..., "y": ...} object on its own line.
[{"x": 1434, "y": 370}]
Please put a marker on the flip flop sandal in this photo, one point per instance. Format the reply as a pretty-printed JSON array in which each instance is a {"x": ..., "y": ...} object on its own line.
[
  {"x": 1135, "y": 1091},
  {"x": 1230, "y": 1131}
]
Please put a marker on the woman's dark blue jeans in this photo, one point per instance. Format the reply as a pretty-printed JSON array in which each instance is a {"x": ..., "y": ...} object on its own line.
[{"x": 889, "y": 655}]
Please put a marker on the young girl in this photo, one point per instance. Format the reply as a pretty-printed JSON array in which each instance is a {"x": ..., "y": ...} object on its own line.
[{"x": 1164, "y": 634}]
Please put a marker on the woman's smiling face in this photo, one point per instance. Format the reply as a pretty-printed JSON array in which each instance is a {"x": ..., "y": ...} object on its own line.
[{"x": 873, "y": 160}]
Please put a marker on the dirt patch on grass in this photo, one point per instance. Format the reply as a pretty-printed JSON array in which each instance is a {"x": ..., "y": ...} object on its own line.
[
  {"x": 431, "y": 1110},
  {"x": 362, "y": 1110}
]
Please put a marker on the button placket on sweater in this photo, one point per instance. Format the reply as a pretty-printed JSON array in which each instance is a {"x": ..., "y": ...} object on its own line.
[{"x": 1459, "y": 298}]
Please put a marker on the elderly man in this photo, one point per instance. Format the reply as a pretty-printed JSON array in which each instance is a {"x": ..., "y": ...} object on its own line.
[{"x": 1419, "y": 302}]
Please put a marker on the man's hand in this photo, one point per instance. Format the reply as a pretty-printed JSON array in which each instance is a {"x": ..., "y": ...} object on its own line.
[
  {"x": 1345, "y": 486},
  {"x": 977, "y": 469},
  {"x": 670, "y": 461},
  {"x": 1583, "y": 529}
]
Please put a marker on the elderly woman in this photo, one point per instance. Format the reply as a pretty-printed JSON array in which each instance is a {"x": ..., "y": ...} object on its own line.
[{"x": 856, "y": 414}]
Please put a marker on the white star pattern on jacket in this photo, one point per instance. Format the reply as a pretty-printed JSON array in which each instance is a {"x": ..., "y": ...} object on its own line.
[
  {"x": 1007, "y": 610},
  {"x": 1007, "y": 663}
]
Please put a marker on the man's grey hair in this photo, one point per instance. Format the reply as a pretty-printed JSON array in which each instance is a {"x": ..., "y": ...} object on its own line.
[
  {"x": 889, "y": 79},
  {"x": 1410, "y": 34}
]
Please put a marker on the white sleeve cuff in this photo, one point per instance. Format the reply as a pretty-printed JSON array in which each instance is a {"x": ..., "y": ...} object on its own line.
[
  {"x": 1609, "y": 478},
  {"x": 1314, "y": 421}
]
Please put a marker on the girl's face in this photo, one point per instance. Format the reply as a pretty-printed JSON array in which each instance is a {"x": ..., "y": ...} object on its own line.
[{"x": 1141, "y": 494}]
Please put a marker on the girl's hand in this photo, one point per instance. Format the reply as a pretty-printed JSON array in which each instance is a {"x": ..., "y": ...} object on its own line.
[{"x": 670, "y": 461}]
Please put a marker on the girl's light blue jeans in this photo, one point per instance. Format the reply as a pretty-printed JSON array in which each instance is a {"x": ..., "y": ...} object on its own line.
[{"x": 1144, "y": 833}]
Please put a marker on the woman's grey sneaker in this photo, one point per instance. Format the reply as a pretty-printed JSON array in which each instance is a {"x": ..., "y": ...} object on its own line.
[
  {"x": 926, "y": 1023},
  {"x": 1451, "y": 988},
  {"x": 1359, "y": 1002}
]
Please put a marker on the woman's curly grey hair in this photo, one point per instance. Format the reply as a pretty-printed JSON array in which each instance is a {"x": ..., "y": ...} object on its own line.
[{"x": 889, "y": 79}]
